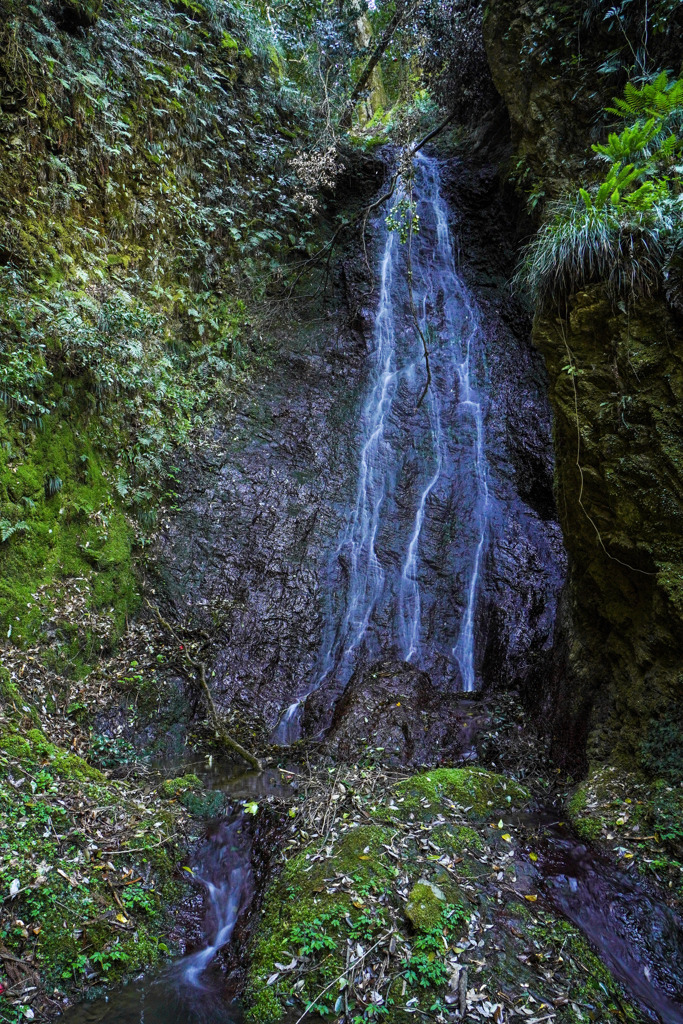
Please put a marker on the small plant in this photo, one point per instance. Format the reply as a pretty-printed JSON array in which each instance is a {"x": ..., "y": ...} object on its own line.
[
  {"x": 8, "y": 529},
  {"x": 425, "y": 966},
  {"x": 52, "y": 485},
  {"x": 314, "y": 936},
  {"x": 627, "y": 229},
  {"x": 662, "y": 749}
]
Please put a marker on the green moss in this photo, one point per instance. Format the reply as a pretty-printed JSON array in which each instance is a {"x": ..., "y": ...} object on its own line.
[
  {"x": 589, "y": 829},
  {"x": 190, "y": 793},
  {"x": 49, "y": 844},
  {"x": 209, "y": 804},
  {"x": 298, "y": 904},
  {"x": 76, "y": 534},
  {"x": 34, "y": 748},
  {"x": 667, "y": 815},
  {"x": 425, "y": 906},
  {"x": 171, "y": 788},
  {"x": 591, "y": 981},
  {"x": 456, "y": 838},
  {"x": 477, "y": 792}
]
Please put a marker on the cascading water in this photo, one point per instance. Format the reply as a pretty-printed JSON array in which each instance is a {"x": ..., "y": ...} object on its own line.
[
  {"x": 187, "y": 994},
  {"x": 423, "y": 491},
  {"x": 224, "y": 870}
]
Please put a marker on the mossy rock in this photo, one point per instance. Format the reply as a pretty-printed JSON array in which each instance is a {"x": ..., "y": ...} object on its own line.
[
  {"x": 208, "y": 804},
  {"x": 456, "y": 838},
  {"x": 173, "y": 788},
  {"x": 478, "y": 793},
  {"x": 34, "y": 748},
  {"x": 425, "y": 906},
  {"x": 298, "y": 903}
]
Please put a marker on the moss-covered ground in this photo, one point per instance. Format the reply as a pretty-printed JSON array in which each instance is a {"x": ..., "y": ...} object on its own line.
[
  {"x": 86, "y": 872},
  {"x": 91, "y": 837},
  {"x": 405, "y": 897}
]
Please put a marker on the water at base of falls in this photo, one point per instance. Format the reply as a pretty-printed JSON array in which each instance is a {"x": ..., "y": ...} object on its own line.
[
  {"x": 405, "y": 577},
  {"x": 188, "y": 993}
]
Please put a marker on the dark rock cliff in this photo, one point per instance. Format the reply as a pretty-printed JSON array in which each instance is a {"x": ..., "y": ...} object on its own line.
[
  {"x": 615, "y": 387},
  {"x": 619, "y": 459},
  {"x": 262, "y": 504}
]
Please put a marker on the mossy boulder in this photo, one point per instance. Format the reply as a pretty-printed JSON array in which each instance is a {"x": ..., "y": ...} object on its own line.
[
  {"x": 476, "y": 792},
  {"x": 425, "y": 906},
  {"x": 35, "y": 749},
  {"x": 173, "y": 788},
  {"x": 302, "y": 914}
]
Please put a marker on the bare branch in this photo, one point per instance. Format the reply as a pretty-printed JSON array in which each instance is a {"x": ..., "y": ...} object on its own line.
[{"x": 199, "y": 668}]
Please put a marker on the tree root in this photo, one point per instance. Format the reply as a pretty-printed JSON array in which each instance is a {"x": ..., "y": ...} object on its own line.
[{"x": 199, "y": 672}]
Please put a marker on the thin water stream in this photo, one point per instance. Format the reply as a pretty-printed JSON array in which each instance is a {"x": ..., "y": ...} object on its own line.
[
  {"x": 189, "y": 991},
  {"x": 637, "y": 935},
  {"x": 422, "y": 471}
]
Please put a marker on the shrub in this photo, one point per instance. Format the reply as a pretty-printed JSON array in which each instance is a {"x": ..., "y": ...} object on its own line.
[
  {"x": 662, "y": 749},
  {"x": 625, "y": 230}
]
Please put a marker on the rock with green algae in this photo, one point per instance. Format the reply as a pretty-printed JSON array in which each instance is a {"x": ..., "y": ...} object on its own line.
[
  {"x": 643, "y": 814},
  {"x": 171, "y": 788},
  {"x": 60, "y": 874},
  {"x": 355, "y": 890},
  {"x": 35, "y": 749},
  {"x": 300, "y": 903},
  {"x": 622, "y": 516},
  {"x": 189, "y": 791},
  {"x": 425, "y": 906}
]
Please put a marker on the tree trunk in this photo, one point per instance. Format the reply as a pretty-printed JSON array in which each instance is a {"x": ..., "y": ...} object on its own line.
[{"x": 403, "y": 9}]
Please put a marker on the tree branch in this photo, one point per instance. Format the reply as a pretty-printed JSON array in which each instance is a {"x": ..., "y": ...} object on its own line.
[
  {"x": 403, "y": 12},
  {"x": 200, "y": 670}
]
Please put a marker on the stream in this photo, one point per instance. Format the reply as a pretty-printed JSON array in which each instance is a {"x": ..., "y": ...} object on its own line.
[{"x": 636, "y": 935}]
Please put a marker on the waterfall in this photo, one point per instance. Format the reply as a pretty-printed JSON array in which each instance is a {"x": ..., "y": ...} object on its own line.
[
  {"x": 422, "y": 498},
  {"x": 223, "y": 869}
]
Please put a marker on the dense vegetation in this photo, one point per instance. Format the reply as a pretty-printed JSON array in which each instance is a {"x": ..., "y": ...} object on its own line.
[
  {"x": 626, "y": 229},
  {"x": 172, "y": 176}
]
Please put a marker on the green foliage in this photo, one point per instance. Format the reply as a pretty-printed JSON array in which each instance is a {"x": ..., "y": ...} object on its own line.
[
  {"x": 662, "y": 749},
  {"x": 668, "y": 816},
  {"x": 403, "y": 218},
  {"x": 8, "y": 529},
  {"x": 148, "y": 193},
  {"x": 316, "y": 935},
  {"x": 63, "y": 913},
  {"x": 625, "y": 230}
]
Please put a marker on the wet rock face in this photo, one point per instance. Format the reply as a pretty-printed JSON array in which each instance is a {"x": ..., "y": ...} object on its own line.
[
  {"x": 264, "y": 500},
  {"x": 622, "y": 513},
  {"x": 260, "y": 505},
  {"x": 394, "y": 713},
  {"x": 518, "y": 638}
]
